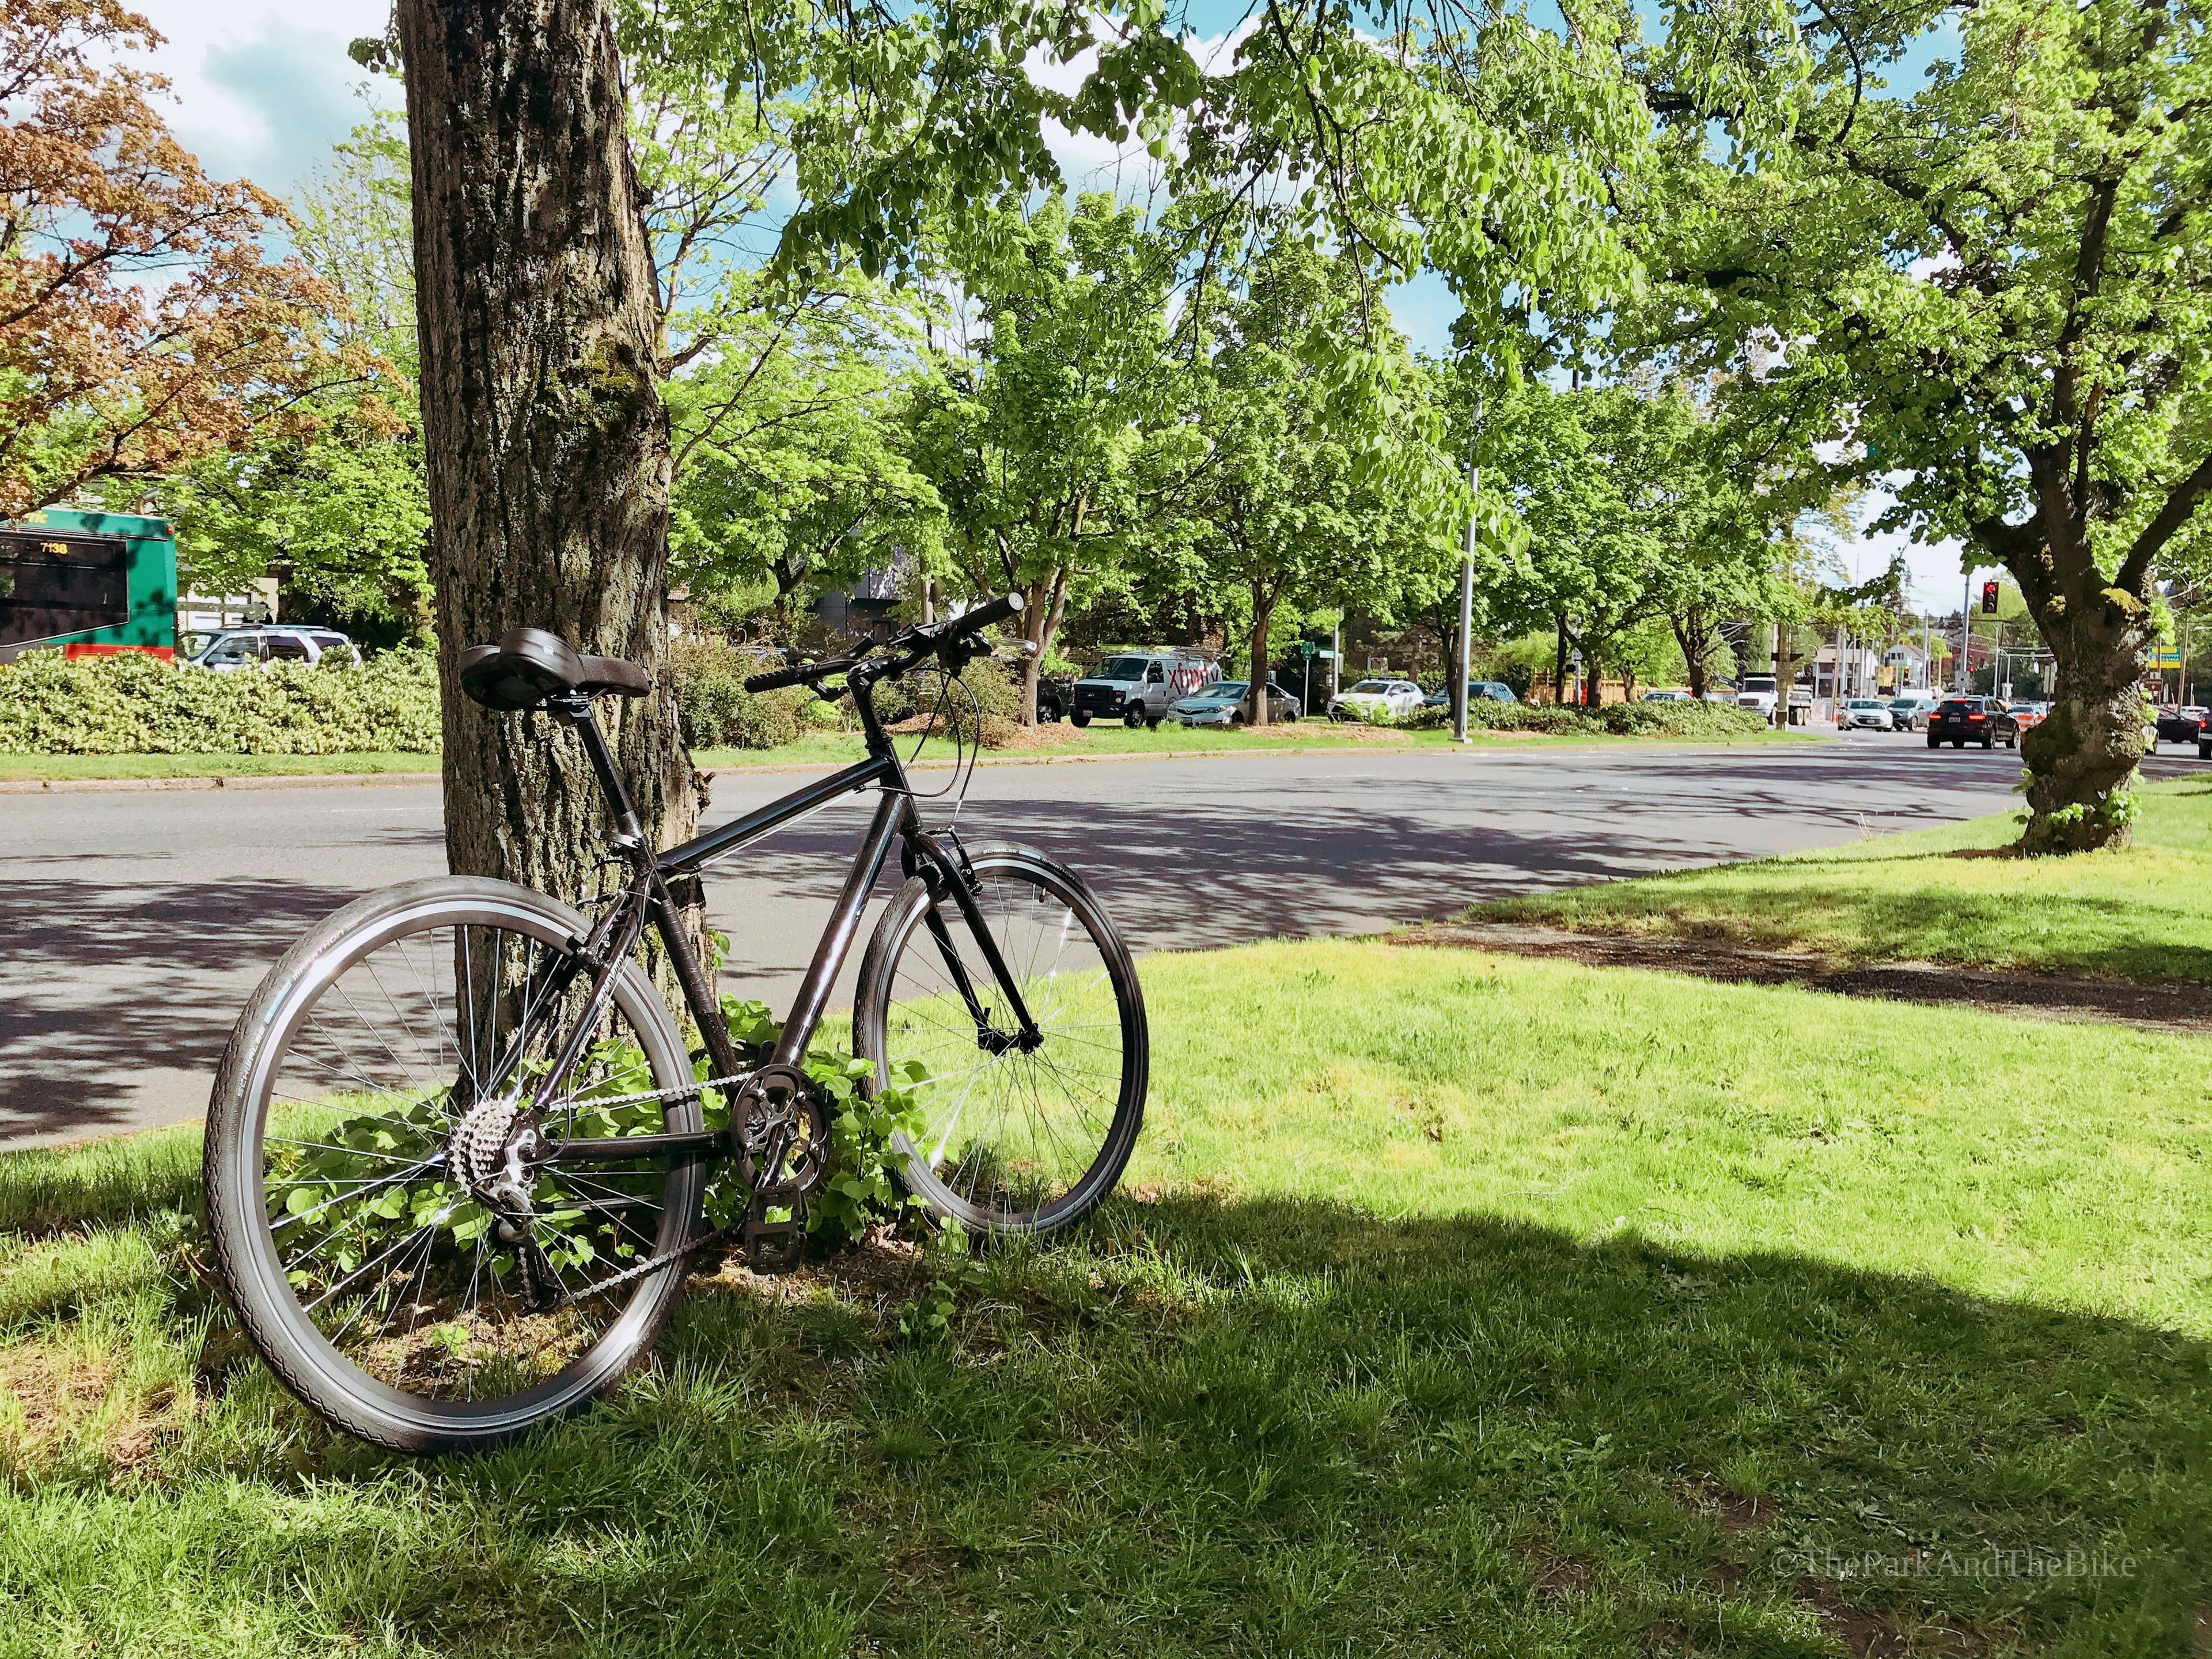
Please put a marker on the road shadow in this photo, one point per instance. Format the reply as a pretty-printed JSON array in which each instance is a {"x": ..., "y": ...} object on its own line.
[{"x": 106, "y": 985}]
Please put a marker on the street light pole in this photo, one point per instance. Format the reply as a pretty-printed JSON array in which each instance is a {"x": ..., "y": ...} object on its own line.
[{"x": 1466, "y": 606}]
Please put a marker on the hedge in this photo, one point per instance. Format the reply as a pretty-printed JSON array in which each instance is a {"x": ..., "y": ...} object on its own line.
[
  {"x": 1622, "y": 720},
  {"x": 134, "y": 704}
]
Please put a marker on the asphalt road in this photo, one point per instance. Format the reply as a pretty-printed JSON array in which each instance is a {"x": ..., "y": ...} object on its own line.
[{"x": 133, "y": 925}]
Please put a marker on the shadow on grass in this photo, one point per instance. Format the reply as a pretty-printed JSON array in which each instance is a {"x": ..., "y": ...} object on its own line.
[
  {"x": 1274, "y": 1427},
  {"x": 2039, "y": 928}
]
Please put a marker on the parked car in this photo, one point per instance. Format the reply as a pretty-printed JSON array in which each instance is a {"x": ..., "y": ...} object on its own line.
[
  {"x": 2180, "y": 724},
  {"x": 1864, "y": 713},
  {"x": 1229, "y": 702},
  {"x": 1477, "y": 692},
  {"x": 1910, "y": 714},
  {"x": 1139, "y": 687},
  {"x": 1376, "y": 698},
  {"x": 1054, "y": 698},
  {"x": 1962, "y": 720},
  {"x": 1666, "y": 697},
  {"x": 2027, "y": 716},
  {"x": 255, "y": 648}
]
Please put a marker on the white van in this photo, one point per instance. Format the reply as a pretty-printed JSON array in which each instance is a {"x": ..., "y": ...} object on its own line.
[{"x": 1137, "y": 687}]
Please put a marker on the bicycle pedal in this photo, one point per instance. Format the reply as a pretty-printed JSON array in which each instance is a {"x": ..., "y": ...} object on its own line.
[{"x": 776, "y": 1247}]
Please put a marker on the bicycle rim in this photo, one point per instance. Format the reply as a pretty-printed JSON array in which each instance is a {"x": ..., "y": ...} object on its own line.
[
  {"x": 1007, "y": 1138},
  {"x": 378, "y": 1285}
]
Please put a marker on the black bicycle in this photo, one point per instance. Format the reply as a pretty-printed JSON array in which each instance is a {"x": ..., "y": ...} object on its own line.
[{"x": 460, "y": 1151}]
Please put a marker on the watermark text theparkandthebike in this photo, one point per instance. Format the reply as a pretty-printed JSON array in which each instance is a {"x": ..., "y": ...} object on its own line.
[{"x": 2028, "y": 1562}]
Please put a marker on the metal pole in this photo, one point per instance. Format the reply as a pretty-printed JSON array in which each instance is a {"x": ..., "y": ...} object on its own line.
[
  {"x": 1465, "y": 611},
  {"x": 1965, "y": 634}
]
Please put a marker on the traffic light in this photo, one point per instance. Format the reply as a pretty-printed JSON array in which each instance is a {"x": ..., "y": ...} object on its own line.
[{"x": 1988, "y": 599}]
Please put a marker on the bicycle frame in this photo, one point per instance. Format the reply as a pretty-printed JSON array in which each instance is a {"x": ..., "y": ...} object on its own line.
[{"x": 648, "y": 895}]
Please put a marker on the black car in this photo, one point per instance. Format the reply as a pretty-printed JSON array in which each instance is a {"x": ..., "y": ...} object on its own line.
[
  {"x": 1054, "y": 699},
  {"x": 1962, "y": 720},
  {"x": 2184, "y": 725}
]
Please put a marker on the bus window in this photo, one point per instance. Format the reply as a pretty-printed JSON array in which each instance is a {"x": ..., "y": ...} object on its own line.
[{"x": 52, "y": 586}]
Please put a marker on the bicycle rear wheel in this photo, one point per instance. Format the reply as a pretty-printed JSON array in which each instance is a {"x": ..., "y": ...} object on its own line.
[
  {"x": 377, "y": 1288},
  {"x": 1010, "y": 1138}
]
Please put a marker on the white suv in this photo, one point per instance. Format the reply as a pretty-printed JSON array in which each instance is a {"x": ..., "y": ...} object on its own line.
[
  {"x": 256, "y": 648},
  {"x": 1370, "y": 699}
]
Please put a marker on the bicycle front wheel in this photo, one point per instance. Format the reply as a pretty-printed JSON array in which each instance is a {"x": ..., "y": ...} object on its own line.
[
  {"x": 1006, "y": 1135},
  {"x": 408, "y": 1026}
]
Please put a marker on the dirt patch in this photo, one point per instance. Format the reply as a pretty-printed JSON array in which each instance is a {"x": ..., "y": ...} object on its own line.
[
  {"x": 1560, "y": 1577},
  {"x": 2182, "y": 1009},
  {"x": 1730, "y": 1510},
  {"x": 53, "y": 1391},
  {"x": 1870, "y": 1635}
]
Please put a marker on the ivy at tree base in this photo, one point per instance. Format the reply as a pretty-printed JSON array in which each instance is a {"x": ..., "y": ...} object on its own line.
[{"x": 2081, "y": 768}]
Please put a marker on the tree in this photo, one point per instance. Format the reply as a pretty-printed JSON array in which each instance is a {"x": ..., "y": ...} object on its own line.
[
  {"x": 546, "y": 441},
  {"x": 1607, "y": 482},
  {"x": 1994, "y": 287},
  {"x": 790, "y": 464},
  {"x": 330, "y": 497},
  {"x": 1308, "y": 497},
  {"x": 139, "y": 325},
  {"x": 1051, "y": 429}
]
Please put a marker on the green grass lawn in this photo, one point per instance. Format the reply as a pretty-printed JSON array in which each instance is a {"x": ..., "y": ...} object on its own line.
[
  {"x": 1056, "y": 742},
  {"x": 1955, "y": 895},
  {"x": 207, "y": 766},
  {"x": 1455, "y": 1304}
]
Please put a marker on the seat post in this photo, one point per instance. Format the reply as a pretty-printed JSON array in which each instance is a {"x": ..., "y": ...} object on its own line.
[{"x": 576, "y": 707}]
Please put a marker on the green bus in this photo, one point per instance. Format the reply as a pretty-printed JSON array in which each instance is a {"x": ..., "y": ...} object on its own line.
[{"x": 86, "y": 584}]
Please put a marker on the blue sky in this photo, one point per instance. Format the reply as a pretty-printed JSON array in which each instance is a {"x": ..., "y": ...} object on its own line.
[{"x": 262, "y": 91}]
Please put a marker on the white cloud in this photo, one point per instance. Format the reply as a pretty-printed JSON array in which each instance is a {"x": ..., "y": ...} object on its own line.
[{"x": 264, "y": 91}]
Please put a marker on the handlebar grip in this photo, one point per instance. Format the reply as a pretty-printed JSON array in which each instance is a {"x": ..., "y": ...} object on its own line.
[
  {"x": 776, "y": 678},
  {"x": 975, "y": 621}
]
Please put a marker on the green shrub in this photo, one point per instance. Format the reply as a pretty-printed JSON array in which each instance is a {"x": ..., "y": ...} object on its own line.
[
  {"x": 1622, "y": 720},
  {"x": 984, "y": 700},
  {"x": 716, "y": 710},
  {"x": 134, "y": 704}
]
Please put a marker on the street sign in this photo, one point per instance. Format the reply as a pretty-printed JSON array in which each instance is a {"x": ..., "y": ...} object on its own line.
[{"x": 2165, "y": 656}]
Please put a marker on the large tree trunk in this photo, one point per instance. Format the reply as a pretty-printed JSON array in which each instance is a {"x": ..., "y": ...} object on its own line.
[
  {"x": 548, "y": 446},
  {"x": 1691, "y": 634},
  {"x": 2083, "y": 756},
  {"x": 1044, "y": 607},
  {"x": 1263, "y": 615}
]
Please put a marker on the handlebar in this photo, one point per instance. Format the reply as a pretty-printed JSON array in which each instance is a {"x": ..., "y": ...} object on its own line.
[
  {"x": 906, "y": 650},
  {"x": 776, "y": 678}
]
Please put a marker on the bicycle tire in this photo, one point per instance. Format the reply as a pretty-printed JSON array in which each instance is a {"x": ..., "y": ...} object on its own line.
[
  {"x": 889, "y": 1042},
  {"x": 276, "y": 1024}
]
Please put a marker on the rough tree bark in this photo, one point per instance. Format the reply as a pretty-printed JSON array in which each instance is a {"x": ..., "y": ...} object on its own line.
[
  {"x": 2082, "y": 758},
  {"x": 547, "y": 443}
]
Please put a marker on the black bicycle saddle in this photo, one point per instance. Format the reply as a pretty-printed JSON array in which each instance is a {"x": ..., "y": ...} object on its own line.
[{"x": 529, "y": 665}]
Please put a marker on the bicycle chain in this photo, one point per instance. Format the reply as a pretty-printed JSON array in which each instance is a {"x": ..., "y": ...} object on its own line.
[{"x": 756, "y": 1229}]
